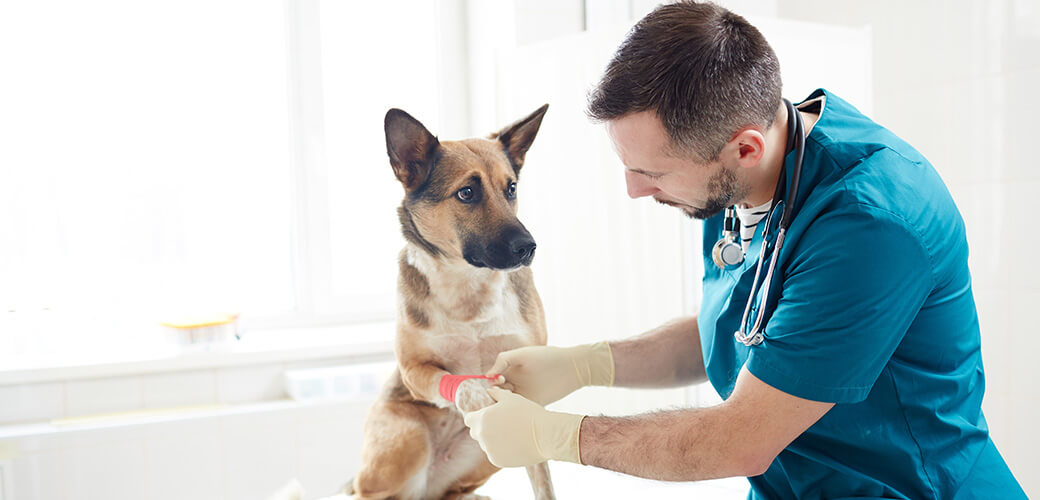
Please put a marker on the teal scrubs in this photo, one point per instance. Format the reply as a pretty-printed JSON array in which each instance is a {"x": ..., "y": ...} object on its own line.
[{"x": 871, "y": 309}]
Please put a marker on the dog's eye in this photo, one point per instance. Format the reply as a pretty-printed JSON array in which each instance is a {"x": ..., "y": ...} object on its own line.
[
  {"x": 465, "y": 194},
  {"x": 511, "y": 190}
]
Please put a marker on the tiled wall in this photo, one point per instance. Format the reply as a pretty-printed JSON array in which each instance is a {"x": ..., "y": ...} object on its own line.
[
  {"x": 76, "y": 398},
  {"x": 240, "y": 456}
]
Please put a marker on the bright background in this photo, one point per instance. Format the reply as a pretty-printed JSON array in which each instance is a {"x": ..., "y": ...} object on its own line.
[{"x": 167, "y": 158}]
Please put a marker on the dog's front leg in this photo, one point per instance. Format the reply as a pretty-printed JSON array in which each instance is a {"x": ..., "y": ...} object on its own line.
[
  {"x": 541, "y": 483},
  {"x": 423, "y": 379}
]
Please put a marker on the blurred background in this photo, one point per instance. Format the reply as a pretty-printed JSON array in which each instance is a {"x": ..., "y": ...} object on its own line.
[{"x": 219, "y": 167}]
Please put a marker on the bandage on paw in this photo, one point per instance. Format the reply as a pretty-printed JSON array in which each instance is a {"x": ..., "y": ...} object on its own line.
[{"x": 450, "y": 384}]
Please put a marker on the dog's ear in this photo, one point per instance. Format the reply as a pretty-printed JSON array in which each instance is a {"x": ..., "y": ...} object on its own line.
[
  {"x": 411, "y": 148},
  {"x": 517, "y": 138}
]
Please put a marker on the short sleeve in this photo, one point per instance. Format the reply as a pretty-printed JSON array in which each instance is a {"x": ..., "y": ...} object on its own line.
[{"x": 855, "y": 283}]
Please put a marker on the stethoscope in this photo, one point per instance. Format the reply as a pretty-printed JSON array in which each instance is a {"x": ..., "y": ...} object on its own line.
[{"x": 728, "y": 253}]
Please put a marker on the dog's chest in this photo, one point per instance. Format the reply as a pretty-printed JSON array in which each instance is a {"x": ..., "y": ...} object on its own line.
[
  {"x": 470, "y": 347},
  {"x": 474, "y": 314}
]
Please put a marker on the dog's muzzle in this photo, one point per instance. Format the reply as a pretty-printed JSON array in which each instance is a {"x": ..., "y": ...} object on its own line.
[{"x": 512, "y": 249}]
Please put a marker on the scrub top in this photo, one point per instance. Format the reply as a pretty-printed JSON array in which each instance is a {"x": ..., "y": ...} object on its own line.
[{"x": 871, "y": 308}]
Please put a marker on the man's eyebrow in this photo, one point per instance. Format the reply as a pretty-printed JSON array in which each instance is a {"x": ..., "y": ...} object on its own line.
[{"x": 644, "y": 172}]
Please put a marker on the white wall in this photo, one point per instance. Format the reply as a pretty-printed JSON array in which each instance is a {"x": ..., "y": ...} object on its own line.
[{"x": 607, "y": 267}]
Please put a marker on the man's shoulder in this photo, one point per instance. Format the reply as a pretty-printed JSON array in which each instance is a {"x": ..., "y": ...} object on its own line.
[
  {"x": 894, "y": 194},
  {"x": 863, "y": 164},
  {"x": 846, "y": 135},
  {"x": 903, "y": 184}
]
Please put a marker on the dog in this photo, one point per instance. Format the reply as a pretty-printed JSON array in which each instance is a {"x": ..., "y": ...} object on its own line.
[{"x": 465, "y": 293}]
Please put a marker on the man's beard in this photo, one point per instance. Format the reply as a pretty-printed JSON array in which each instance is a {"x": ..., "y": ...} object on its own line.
[{"x": 723, "y": 189}]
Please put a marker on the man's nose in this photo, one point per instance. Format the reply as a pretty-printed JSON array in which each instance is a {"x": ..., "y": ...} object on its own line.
[{"x": 638, "y": 185}]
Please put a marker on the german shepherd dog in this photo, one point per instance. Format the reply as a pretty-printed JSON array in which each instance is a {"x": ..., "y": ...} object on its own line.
[{"x": 465, "y": 294}]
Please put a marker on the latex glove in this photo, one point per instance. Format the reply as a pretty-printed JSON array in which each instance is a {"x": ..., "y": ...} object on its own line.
[
  {"x": 516, "y": 432},
  {"x": 545, "y": 374}
]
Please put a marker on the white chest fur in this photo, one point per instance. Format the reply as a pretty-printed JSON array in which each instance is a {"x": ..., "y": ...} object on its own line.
[{"x": 473, "y": 313}]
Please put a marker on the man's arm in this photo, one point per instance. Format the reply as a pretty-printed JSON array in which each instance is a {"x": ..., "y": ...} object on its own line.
[
  {"x": 667, "y": 356},
  {"x": 739, "y": 437}
]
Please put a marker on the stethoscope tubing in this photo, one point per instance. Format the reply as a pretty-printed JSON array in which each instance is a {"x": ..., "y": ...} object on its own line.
[{"x": 755, "y": 336}]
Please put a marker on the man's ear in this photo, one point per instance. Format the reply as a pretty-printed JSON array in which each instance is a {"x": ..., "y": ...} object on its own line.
[
  {"x": 411, "y": 148},
  {"x": 517, "y": 137},
  {"x": 749, "y": 147}
]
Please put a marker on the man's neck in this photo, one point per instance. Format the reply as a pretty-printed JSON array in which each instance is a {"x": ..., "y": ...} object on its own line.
[
  {"x": 768, "y": 174},
  {"x": 764, "y": 178}
]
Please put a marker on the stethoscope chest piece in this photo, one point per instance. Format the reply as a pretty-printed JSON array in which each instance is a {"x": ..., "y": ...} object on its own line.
[{"x": 727, "y": 253}]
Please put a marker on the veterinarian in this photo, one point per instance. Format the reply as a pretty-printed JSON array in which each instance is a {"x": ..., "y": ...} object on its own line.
[{"x": 846, "y": 347}]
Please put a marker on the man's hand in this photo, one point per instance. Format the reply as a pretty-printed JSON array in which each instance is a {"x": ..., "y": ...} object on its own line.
[
  {"x": 545, "y": 374},
  {"x": 515, "y": 432}
]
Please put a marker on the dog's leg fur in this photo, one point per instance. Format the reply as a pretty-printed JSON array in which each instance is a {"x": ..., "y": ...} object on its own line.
[
  {"x": 472, "y": 395},
  {"x": 541, "y": 483},
  {"x": 423, "y": 380},
  {"x": 395, "y": 451},
  {"x": 465, "y": 496},
  {"x": 466, "y": 485}
]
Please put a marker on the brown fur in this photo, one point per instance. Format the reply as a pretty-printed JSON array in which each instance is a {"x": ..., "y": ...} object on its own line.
[{"x": 454, "y": 317}]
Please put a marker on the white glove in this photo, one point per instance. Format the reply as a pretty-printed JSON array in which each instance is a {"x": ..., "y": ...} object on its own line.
[
  {"x": 545, "y": 374},
  {"x": 516, "y": 432}
]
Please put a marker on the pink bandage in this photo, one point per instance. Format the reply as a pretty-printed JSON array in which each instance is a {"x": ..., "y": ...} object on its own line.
[{"x": 450, "y": 384}]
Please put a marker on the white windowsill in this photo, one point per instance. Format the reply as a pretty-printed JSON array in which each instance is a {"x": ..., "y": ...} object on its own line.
[{"x": 364, "y": 341}]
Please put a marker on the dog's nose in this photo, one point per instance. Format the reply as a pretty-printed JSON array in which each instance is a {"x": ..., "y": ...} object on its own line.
[{"x": 522, "y": 248}]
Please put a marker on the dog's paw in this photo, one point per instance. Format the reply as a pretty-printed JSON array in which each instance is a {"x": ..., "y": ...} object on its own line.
[{"x": 472, "y": 395}]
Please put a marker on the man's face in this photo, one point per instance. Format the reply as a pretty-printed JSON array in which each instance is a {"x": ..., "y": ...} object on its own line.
[{"x": 699, "y": 189}]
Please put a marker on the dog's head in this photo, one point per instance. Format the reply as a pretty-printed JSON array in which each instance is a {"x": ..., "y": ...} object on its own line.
[{"x": 460, "y": 196}]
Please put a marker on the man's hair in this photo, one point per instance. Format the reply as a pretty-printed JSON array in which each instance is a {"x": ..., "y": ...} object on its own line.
[{"x": 705, "y": 71}]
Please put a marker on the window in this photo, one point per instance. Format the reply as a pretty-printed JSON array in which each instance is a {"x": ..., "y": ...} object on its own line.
[
  {"x": 158, "y": 158},
  {"x": 372, "y": 59}
]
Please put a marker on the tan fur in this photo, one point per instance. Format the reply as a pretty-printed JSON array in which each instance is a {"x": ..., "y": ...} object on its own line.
[
  {"x": 461, "y": 161},
  {"x": 453, "y": 318}
]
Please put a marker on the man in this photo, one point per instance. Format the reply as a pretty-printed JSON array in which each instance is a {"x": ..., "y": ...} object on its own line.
[{"x": 867, "y": 380}]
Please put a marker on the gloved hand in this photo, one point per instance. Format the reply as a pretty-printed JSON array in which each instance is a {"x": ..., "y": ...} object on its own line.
[
  {"x": 516, "y": 432},
  {"x": 545, "y": 374}
]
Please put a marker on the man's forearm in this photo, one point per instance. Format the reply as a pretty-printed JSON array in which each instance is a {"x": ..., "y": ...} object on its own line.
[
  {"x": 667, "y": 356},
  {"x": 677, "y": 445}
]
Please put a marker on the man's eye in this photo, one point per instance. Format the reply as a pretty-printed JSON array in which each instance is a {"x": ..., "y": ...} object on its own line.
[
  {"x": 511, "y": 190},
  {"x": 465, "y": 194}
]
